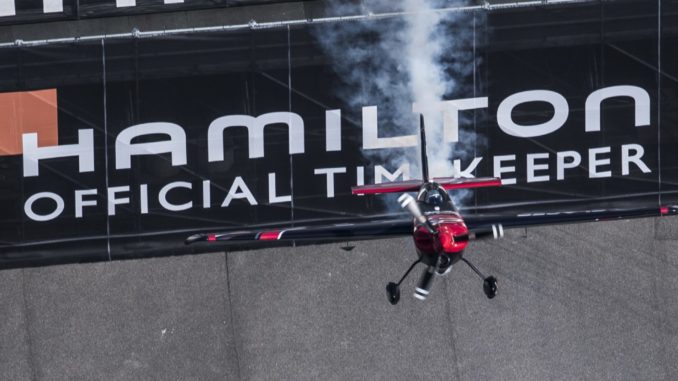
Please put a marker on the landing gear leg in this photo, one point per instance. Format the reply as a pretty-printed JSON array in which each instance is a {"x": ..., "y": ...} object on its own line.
[
  {"x": 393, "y": 289},
  {"x": 489, "y": 283}
]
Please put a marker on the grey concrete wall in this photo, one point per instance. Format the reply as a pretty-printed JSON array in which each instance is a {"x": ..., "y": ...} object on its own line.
[{"x": 578, "y": 302}]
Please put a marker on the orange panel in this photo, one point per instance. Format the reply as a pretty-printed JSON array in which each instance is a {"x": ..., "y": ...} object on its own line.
[{"x": 27, "y": 111}]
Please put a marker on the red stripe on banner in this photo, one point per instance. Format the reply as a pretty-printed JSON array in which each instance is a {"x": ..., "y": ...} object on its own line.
[{"x": 269, "y": 236}]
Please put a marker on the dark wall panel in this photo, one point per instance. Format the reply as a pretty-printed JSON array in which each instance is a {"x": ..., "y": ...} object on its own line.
[{"x": 287, "y": 79}]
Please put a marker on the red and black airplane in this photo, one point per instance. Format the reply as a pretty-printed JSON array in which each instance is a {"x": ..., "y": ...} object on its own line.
[{"x": 440, "y": 232}]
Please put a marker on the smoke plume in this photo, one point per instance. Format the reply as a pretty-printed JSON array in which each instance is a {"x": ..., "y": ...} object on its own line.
[{"x": 420, "y": 55}]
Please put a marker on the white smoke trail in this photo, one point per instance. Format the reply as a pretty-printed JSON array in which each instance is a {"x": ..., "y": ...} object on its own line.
[
  {"x": 428, "y": 82},
  {"x": 421, "y": 58}
]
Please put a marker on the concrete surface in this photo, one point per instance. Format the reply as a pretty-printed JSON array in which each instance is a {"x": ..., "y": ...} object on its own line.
[{"x": 577, "y": 302}]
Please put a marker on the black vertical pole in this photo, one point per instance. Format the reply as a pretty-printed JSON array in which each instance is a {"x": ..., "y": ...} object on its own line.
[{"x": 424, "y": 160}]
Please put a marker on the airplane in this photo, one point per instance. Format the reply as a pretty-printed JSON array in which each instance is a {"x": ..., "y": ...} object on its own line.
[{"x": 440, "y": 232}]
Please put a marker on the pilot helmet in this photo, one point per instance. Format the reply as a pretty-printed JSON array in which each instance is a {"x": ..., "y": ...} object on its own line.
[{"x": 434, "y": 198}]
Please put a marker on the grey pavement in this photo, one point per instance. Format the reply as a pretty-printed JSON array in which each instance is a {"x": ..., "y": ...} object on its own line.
[{"x": 591, "y": 301}]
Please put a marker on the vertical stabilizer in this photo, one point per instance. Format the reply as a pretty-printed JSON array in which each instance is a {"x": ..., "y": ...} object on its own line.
[{"x": 422, "y": 146}]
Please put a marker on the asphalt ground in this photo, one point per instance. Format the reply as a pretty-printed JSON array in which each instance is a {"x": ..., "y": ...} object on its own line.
[{"x": 578, "y": 302}]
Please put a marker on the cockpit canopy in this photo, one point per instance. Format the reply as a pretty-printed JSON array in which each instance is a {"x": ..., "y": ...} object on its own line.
[{"x": 434, "y": 195}]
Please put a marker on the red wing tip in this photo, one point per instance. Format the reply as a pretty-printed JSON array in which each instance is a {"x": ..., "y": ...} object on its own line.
[
  {"x": 392, "y": 189},
  {"x": 473, "y": 184},
  {"x": 200, "y": 238},
  {"x": 269, "y": 236}
]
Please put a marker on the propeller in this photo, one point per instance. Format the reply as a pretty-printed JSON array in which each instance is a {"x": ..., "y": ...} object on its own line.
[
  {"x": 410, "y": 204},
  {"x": 426, "y": 281}
]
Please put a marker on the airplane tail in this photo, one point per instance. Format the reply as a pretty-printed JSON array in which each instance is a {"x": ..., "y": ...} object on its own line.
[
  {"x": 422, "y": 147},
  {"x": 448, "y": 183}
]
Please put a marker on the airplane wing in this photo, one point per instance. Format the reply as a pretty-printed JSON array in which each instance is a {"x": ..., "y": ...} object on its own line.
[
  {"x": 449, "y": 183},
  {"x": 343, "y": 231},
  {"x": 480, "y": 226},
  {"x": 484, "y": 222}
]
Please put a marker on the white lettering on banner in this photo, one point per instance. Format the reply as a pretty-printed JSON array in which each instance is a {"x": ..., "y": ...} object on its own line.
[
  {"x": 32, "y": 154},
  {"x": 468, "y": 172},
  {"x": 176, "y": 145},
  {"x": 598, "y": 162},
  {"x": 403, "y": 172},
  {"x": 499, "y": 169},
  {"x": 125, "y": 3},
  {"x": 113, "y": 201},
  {"x": 627, "y": 158},
  {"x": 595, "y": 162},
  {"x": 332, "y": 130},
  {"x": 450, "y": 111},
  {"x": 255, "y": 133},
  {"x": 206, "y": 194},
  {"x": 360, "y": 175},
  {"x": 329, "y": 178},
  {"x": 532, "y": 167},
  {"x": 125, "y": 149},
  {"x": 640, "y": 97},
  {"x": 52, "y": 6},
  {"x": 162, "y": 196},
  {"x": 80, "y": 203},
  {"x": 561, "y": 165},
  {"x": 28, "y": 206},
  {"x": 273, "y": 198},
  {"x": 143, "y": 198},
  {"x": 560, "y": 113},
  {"x": 371, "y": 139},
  {"x": 239, "y": 190},
  {"x": 7, "y": 8}
]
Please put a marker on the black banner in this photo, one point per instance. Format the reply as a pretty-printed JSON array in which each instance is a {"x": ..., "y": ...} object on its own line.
[
  {"x": 38, "y": 11},
  {"x": 121, "y": 148}
]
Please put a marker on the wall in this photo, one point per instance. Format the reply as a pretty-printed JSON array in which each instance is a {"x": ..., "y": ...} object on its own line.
[{"x": 588, "y": 301}]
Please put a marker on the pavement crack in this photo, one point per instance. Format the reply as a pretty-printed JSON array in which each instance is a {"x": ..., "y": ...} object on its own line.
[
  {"x": 27, "y": 331},
  {"x": 232, "y": 317},
  {"x": 452, "y": 331}
]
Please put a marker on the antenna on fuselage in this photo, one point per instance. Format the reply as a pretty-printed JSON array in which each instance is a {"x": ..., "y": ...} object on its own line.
[{"x": 422, "y": 146}]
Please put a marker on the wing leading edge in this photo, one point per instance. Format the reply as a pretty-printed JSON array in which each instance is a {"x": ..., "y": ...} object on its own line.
[
  {"x": 344, "y": 231},
  {"x": 565, "y": 217},
  {"x": 478, "y": 225},
  {"x": 448, "y": 183}
]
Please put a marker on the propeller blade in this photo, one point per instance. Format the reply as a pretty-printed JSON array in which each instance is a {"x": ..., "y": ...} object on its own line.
[
  {"x": 425, "y": 282},
  {"x": 410, "y": 204}
]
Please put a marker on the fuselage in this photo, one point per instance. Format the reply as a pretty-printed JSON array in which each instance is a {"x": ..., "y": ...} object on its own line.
[{"x": 452, "y": 234}]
